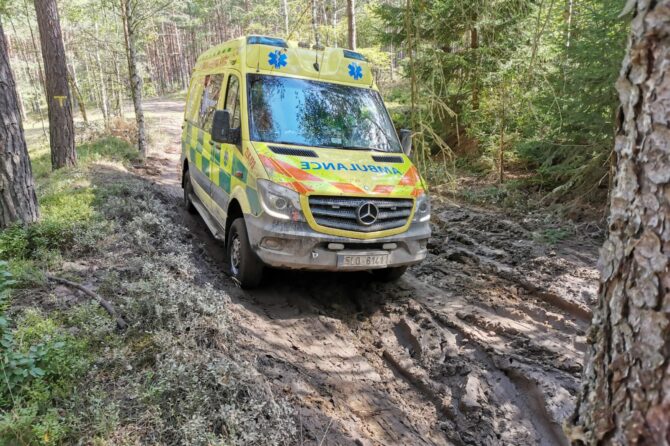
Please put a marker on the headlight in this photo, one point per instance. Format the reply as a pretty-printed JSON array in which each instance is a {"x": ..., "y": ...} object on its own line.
[
  {"x": 422, "y": 212},
  {"x": 279, "y": 201}
]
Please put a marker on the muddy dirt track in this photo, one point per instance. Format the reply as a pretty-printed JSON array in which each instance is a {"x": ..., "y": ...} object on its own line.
[{"x": 480, "y": 344}]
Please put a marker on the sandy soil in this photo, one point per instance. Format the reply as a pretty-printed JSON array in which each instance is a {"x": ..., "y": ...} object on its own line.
[{"x": 480, "y": 344}]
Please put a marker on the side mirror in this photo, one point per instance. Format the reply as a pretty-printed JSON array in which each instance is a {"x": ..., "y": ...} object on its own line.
[
  {"x": 406, "y": 141},
  {"x": 221, "y": 131}
]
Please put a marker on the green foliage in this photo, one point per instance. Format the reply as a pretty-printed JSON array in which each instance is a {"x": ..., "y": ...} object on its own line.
[
  {"x": 18, "y": 366},
  {"x": 39, "y": 364},
  {"x": 533, "y": 76},
  {"x": 109, "y": 148}
]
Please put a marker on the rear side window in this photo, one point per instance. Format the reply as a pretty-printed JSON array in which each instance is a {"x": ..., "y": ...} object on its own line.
[
  {"x": 233, "y": 100},
  {"x": 210, "y": 97}
]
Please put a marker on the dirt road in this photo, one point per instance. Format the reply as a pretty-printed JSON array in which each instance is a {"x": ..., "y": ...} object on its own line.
[{"x": 481, "y": 344}]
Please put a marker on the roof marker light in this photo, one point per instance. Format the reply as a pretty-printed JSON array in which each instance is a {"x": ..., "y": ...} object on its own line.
[
  {"x": 354, "y": 55},
  {"x": 263, "y": 40}
]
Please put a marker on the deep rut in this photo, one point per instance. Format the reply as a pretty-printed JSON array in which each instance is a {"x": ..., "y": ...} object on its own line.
[{"x": 481, "y": 344}]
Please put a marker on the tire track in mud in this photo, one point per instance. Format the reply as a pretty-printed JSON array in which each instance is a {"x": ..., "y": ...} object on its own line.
[{"x": 481, "y": 344}]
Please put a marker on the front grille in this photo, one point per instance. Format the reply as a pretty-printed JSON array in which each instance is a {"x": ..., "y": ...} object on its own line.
[{"x": 341, "y": 212}]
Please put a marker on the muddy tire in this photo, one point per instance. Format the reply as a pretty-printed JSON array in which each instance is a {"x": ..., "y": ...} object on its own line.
[
  {"x": 188, "y": 191},
  {"x": 245, "y": 266},
  {"x": 389, "y": 274}
]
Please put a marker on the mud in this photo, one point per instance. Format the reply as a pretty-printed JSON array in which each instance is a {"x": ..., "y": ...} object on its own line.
[{"x": 480, "y": 344}]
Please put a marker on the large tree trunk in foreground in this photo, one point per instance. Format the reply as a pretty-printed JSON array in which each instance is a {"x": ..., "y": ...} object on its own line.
[
  {"x": 61, "y": 127},
  {"x": 18, "y": 202},
  {"x": 135, "y": 79},
  {"x": 626, "y": 393},
  {"x": 351, "y": 24}
]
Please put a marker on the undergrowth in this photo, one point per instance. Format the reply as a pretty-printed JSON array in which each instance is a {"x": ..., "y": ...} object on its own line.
[{"x": 68, "y": 376}]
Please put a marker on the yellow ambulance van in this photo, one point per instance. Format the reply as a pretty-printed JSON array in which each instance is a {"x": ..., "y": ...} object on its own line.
[{"x": 290, "y": 157}]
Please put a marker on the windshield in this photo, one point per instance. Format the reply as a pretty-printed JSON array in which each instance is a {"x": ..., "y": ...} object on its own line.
[{"x": 319, "y": 114}]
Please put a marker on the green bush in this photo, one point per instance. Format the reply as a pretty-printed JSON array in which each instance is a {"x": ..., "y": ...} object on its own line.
[{"x": 41, "y": 364}]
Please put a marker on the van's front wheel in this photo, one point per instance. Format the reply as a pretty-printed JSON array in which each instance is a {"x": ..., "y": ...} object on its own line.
[
  {"x": 188, "y": 192},
  {"x": 245, "y": 267}
]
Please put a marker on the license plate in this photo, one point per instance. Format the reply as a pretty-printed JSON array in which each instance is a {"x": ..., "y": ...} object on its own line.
[{"x": 363, "y": 261}]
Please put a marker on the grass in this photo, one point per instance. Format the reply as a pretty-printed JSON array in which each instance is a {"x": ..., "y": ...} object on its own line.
[{"x": 68, "y": 376}]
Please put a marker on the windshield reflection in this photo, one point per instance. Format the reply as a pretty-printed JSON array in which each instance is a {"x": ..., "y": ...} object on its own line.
[{"x": 319, "y": 114}]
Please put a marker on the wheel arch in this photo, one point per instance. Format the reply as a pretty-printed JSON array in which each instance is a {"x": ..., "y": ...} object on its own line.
[
  {"x": 184, "y": 169},
  {"x": 234, "y": 212}
]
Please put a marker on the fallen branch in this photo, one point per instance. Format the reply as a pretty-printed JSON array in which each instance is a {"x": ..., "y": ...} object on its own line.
[{"x": 120, "y": 322}]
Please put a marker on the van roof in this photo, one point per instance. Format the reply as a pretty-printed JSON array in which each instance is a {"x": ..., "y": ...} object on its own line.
[{"x": 273, "y": 55}]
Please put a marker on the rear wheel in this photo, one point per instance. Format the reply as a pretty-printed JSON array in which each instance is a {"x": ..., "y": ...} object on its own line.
[
  {"x": 245, "y": 266},
  {"x": 188, "y": 192},
  {"x": 389, "y": 274}
]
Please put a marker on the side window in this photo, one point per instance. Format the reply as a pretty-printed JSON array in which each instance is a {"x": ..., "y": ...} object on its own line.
[
  {"x": 233, "y": 100},
  {"x": 210, "y": 97},
  {"x": 193, "y": 104}
]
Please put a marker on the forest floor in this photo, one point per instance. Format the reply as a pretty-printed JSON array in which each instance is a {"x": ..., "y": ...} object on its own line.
[{"x": 480, "y": 344}]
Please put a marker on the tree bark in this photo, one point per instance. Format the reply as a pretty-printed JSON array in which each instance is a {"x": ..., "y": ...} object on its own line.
[
  {"x": 626, "y": 392},
  {"x": 351, "y": 21},
  {"x": 133, "y": 74},
  {"x": 18, "y": 202},
  {"x": 61, "y": 126}
]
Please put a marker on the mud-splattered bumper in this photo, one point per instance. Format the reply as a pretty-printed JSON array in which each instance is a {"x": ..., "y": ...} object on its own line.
[{"x": 284, "y": 244}]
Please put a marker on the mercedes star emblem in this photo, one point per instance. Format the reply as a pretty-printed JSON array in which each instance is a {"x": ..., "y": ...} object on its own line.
[{"x": 367, "y": 214}]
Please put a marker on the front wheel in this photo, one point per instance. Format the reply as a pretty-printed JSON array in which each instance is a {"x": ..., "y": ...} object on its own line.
[
  {"x": 389, "y": 274},
  {"x": 245, "y": 266},
  {"x": 188, "y": 192}
]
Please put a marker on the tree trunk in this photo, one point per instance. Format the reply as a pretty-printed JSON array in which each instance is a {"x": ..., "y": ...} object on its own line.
[
  {"x": 351, "y": 21},
  {"x": 569, "y": 6},
  {"x": 135, "y": 79},
  {"x": 37, "y": 56},
  {"x": 474, "y": 45},
  {"x": 61, "y": 127},
  {"x": 18, "y": 202},
  {"x": 181, "y": 59},
  {"x": 118, "y": 89},
  {"x": 626, "y": 392},
  {"x": 74, "y": 85},
  {"x": 285, "y": 11},
  {"x": 35, "y": 84},
  {"x": 315, "y": 27},
  {"x": 104, "y": 99}
]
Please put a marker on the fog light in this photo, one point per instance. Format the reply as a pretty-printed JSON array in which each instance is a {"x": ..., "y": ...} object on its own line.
[
  {"x": 272, "y": 243},
  {"x": 335, "y": 246},
  {"x": 389, "y": 246}
]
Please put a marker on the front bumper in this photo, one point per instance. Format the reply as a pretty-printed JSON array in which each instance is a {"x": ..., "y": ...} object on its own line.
[{"x": 294, "y": 245}]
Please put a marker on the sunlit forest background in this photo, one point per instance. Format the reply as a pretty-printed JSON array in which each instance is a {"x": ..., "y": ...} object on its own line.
[{"x": 518, "y": 93}]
